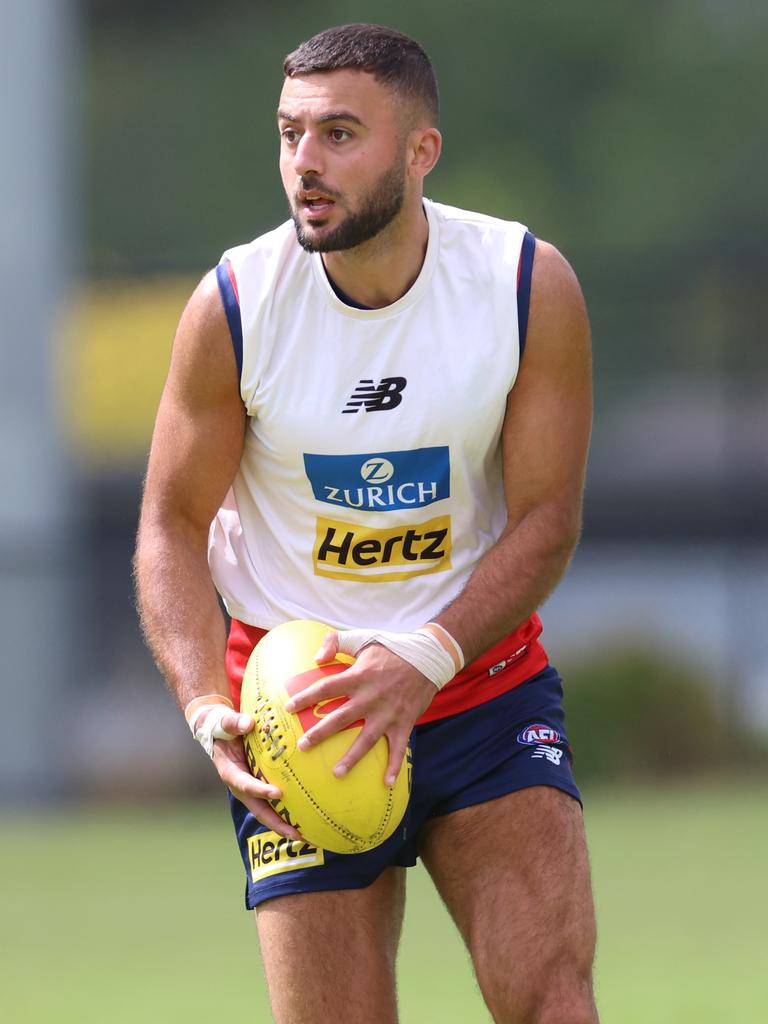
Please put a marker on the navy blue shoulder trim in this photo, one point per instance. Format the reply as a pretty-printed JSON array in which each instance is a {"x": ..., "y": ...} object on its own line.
[
  {"x": 524, "y": 275},
  {"x": 231, "y": 301}
]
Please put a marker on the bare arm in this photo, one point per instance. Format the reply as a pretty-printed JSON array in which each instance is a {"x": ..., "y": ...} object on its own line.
[
  {"x": 545, "y": 438},
  {"x": 196, "y": 450},
  {"x": 544, "y": 441}
]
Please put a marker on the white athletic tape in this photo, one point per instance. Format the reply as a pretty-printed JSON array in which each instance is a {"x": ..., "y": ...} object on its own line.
[
  {"x": 210, "y": 728},
  {"x": 421, "y": 649},
  {"x": 450, "y": 643}
]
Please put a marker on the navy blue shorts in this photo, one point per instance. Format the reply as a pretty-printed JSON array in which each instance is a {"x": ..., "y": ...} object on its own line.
[{"x": 512, "y": 742}]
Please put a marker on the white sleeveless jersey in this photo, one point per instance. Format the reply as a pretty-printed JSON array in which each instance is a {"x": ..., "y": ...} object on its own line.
[{"x": 370, "y": 482}]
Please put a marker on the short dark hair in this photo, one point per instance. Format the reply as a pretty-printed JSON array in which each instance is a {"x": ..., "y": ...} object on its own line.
[{"x": 392, "y": 58}]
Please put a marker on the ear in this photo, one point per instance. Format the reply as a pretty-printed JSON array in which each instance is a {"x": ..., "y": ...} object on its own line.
[{"x": 424, "y": 145}]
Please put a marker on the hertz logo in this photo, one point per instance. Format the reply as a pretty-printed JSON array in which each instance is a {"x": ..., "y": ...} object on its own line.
[
  {"x": 271, "y": 854},
  {"x": 348, "y": 551}
]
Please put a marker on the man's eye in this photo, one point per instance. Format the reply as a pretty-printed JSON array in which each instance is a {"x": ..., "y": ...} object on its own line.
[
  {"x": 340, "y": 134},
  {"x": 289, "y": 135}
]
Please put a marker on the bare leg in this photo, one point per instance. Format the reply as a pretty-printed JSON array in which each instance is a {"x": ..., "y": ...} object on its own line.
[
  {"x": 514, "y": 875},
  {"x": 330, "y": 956}
]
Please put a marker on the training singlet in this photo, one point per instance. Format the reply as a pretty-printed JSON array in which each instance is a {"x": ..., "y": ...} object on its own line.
[{"x": 370, "y": 482}]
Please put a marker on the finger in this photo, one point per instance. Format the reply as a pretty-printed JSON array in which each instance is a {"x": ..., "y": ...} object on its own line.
[
  {"x": 329, "y": 725},
  {"x": 241, "y": 780},
  {"x": 268, "y": 817},
  {"x": 325, "y": 689},
  {"x": 397, "y": 749},
  {"x": 237, "y": 724},
  {"x": 328, "y": 649},
  {"x": 364, "y": 742}
]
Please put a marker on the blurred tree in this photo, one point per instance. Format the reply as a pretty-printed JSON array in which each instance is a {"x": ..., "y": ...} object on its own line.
[
  {"x": 637, "y": 711},
  {"x": 627, "y": 133}
]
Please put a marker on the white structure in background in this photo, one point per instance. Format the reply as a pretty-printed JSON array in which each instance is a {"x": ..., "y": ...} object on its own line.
[{"x": 706, "y": 603}]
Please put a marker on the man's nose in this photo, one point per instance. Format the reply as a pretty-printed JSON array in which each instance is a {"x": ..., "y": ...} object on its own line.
[{"x": 308, "y": 157}]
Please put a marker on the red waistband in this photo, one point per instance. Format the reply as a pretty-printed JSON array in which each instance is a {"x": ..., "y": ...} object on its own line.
[{"x": 510, "y": 662}]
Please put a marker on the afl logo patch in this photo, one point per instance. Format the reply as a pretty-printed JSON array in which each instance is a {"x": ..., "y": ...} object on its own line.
[{"x": 537, "y": 733}]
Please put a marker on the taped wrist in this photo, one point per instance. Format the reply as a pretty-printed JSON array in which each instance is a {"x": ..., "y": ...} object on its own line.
[
  {"x": 432, "y": 650},
  {"x": 204, "y": 715}
]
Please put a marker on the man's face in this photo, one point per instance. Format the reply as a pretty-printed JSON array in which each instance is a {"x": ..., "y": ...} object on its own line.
[{"x": 342, "y": 158}]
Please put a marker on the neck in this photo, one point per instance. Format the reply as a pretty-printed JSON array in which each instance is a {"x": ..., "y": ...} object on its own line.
[{"x": 380, "y": 271}]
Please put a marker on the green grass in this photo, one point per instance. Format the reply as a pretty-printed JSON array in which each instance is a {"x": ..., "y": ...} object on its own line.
[{"x": 136, "y": 915}]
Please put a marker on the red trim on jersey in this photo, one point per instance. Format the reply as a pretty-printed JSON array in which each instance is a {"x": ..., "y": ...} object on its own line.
[
  {"x": 510, "y": 662},
  {"x": 233, "y": 279}
]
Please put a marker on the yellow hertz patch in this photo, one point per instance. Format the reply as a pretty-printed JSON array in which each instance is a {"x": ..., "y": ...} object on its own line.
[
  {"x": 348, "y": 551},
  {"x": 271, "y": 854}
]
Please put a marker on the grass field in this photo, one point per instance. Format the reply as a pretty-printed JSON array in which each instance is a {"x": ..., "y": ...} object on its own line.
[{"x": 135, "y": 915}]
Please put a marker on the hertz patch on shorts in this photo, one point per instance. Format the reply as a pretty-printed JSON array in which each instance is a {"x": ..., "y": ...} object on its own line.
[
  {"x": 271, "y": 854},
  {"x": 351, "y": 551}
]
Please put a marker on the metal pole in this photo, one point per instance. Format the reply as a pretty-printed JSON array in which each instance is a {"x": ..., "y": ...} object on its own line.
[{"x": 35, "y": 521}]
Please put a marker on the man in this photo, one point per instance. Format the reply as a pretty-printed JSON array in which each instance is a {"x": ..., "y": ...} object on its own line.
[{"x": 349, "y": 402}]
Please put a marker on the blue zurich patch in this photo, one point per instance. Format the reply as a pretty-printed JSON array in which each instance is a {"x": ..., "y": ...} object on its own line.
[{"x": 381, "y": 481}]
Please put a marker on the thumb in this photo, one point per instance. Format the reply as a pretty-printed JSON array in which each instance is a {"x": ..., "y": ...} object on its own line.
[
  {"x": 352, "y": 641},
  {"x": 237, "y": 724},
  {"x": 328, "y": 649}
]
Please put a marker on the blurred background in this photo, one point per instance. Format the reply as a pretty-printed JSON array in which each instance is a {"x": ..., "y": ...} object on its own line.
[{"x": 139, "y": 143}]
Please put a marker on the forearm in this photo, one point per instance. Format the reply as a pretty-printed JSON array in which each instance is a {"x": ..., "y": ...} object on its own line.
[
  {"x": 180, "y": 615},
  {"x": 512, "y": 579},
  {"x": 184, "y": 628}
]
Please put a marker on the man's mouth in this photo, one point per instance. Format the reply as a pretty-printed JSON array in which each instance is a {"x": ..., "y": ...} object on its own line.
[{"x": 315, "y": 203}]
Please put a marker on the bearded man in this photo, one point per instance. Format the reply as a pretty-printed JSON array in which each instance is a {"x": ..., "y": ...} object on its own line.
[{"x": 377, "y": 415}]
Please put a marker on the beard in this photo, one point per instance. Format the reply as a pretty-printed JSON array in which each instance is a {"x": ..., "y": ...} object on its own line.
[{"x": 378, "y": 209}]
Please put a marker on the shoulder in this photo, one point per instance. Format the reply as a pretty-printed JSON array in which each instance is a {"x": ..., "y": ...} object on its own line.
[
  {"x": 264, "y": 250},
  {"x": 486, "y": 248},
  {"x": 202, "y": 359},
  {"x": 558, "y": 335},
  {"x": 210, "y": 321},
  {"x": 553, "y": 274},
  {"x": 204, "y": 311},
  {"x": 557, "y": 300},
  {"x": 473, "y": 224}
]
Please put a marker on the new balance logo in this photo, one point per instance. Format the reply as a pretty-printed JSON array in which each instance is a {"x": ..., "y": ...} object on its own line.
[
  {"x": 387, "y": 394},
  {"x": 551, "y": 753}
]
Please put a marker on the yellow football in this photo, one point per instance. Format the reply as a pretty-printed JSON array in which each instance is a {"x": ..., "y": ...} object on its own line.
[{"x": 348, "y": 815}]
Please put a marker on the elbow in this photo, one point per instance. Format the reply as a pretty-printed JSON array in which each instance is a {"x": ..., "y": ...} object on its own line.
[
  {"x": 552, "y": 530},
  {"x": 166, "y": 539},
  {"x": 564, "y": 533}
]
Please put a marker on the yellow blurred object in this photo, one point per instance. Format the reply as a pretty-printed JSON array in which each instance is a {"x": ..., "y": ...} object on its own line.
[{"x": 115, "y": 360}]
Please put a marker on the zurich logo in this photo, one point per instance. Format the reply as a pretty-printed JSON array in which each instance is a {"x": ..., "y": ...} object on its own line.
[
  {"x": 377, "y": 471},
  {"x": 381, "y": 481},
  {"x": 538, "y": 733}
]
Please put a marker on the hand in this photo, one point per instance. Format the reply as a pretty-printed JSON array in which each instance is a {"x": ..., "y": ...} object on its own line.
[
  {"x": 385, "y": 691},
  {"x": 232, "y": 766}
]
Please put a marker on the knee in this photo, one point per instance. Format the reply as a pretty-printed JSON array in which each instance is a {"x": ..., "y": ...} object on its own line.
[
  {"x": 573, "y": 1006},
  {"x": 545, "y": 1000}
]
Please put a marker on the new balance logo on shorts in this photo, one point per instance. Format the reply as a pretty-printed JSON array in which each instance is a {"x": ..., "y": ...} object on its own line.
[
  {"x": 387, "y": 394},
  {"x": 552, "y": 754},
  {"x": 543, "y": 739}
]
